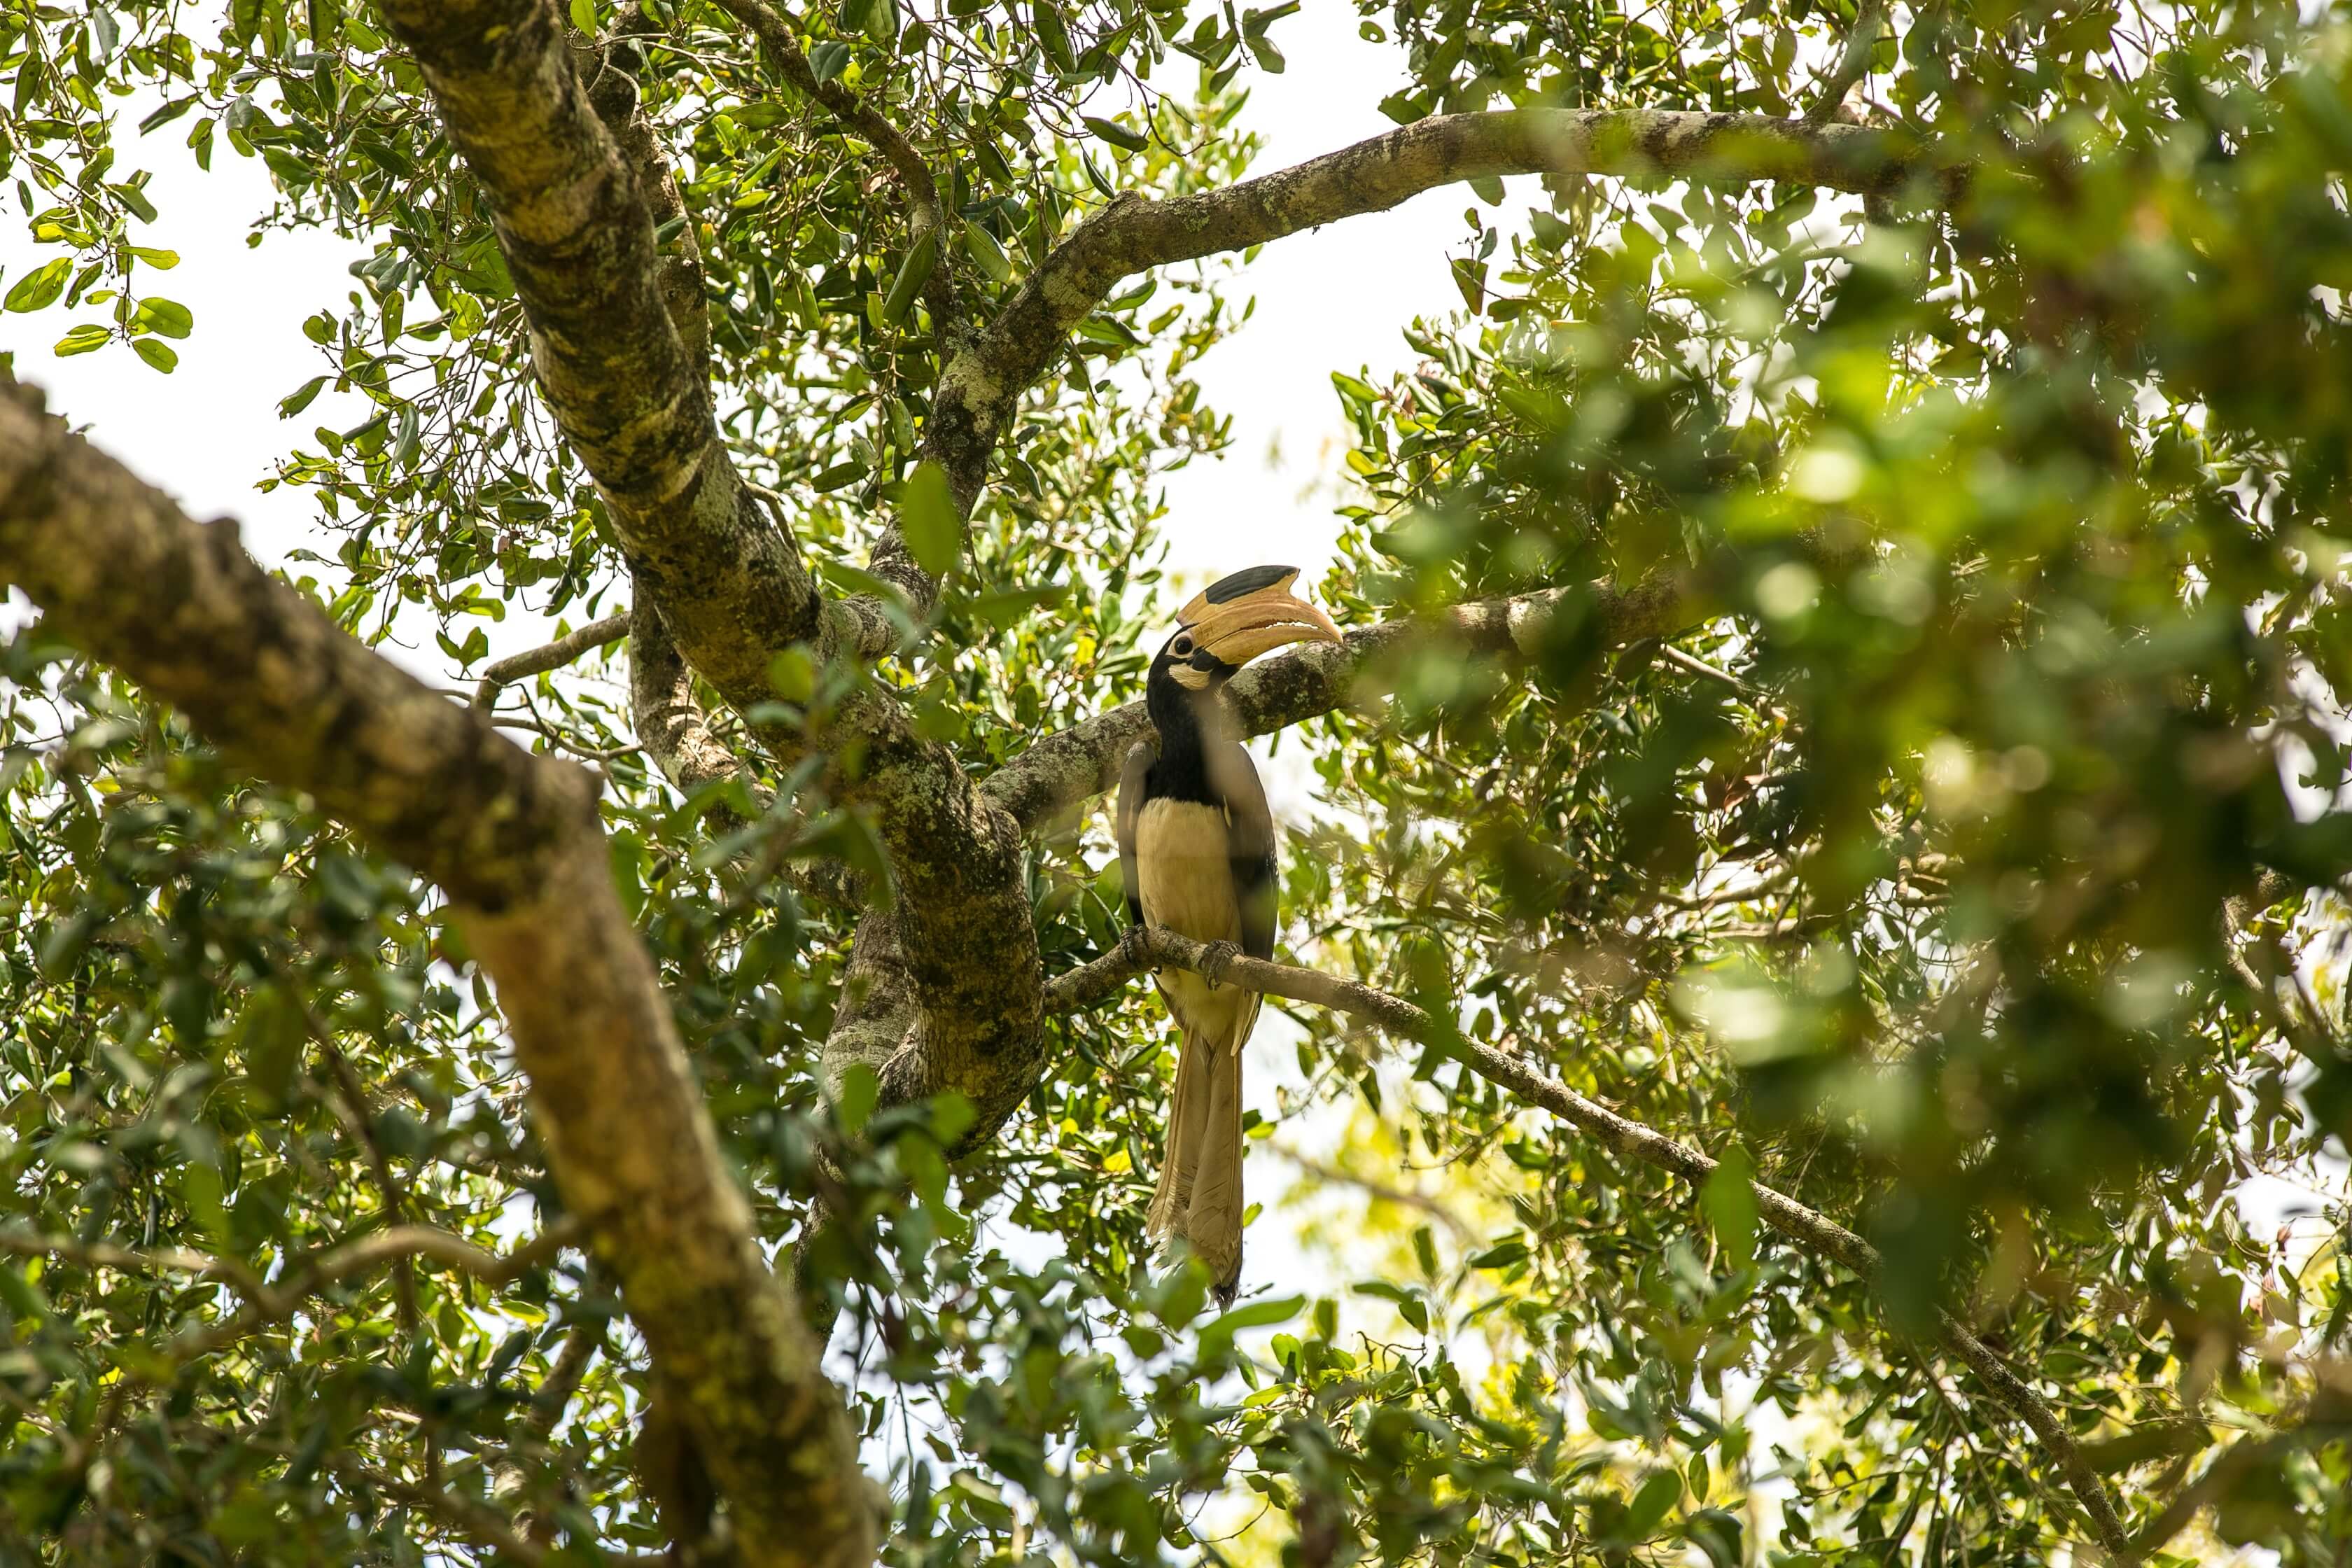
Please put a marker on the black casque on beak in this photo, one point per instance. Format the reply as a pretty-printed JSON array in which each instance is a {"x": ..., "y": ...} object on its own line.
[{"x": 1236, "y": 618}]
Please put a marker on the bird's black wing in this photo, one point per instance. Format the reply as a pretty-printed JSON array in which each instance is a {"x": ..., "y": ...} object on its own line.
[
  {"x": 1249, "y": 829},
  {"x": 1130, "y": 807}
]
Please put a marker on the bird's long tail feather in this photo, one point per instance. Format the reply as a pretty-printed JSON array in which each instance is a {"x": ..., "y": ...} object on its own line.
[{"x": 1200, "y": 1191}]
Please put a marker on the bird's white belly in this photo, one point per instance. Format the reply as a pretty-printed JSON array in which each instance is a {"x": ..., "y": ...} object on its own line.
[
  {"x": 1184, "y": 872},
  {"x": 1184, "y": 877}
]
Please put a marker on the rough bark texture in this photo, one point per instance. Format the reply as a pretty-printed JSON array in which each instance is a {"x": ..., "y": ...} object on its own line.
[
  {"x": 513, "y": 840},
  {"x": 576, "y": 223},
  {"x": 577, "y": 232},
  {"x": 1106, "y": 976}
]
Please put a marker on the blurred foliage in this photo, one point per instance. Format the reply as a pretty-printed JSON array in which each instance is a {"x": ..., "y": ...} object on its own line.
[{"x": 1969, "y": 870}]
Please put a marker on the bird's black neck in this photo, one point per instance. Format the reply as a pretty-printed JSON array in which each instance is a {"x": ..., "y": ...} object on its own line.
[{"x": 1187, "y": 723}]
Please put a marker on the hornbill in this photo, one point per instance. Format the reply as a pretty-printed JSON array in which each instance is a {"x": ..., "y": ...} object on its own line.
[{"x": 1196, "y": 851}]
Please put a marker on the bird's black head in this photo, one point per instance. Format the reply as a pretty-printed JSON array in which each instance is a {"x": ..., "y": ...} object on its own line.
[{"x": 1232, "y": 622}]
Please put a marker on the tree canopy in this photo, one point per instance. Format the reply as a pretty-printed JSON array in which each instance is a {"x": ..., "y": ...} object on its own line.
[{"x": 1825, "y": 884}]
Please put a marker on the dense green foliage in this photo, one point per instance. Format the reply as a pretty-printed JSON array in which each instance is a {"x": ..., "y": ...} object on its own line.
[{"x": 1970, "y": 871}]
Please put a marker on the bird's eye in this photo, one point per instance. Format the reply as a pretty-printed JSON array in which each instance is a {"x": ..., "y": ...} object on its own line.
[{"x": 1182, "y": 647}]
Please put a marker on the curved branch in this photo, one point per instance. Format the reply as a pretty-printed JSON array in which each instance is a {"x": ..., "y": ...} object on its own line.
[
  {"x": 1071, "y": 766},
  {"x": 268, "y": 1303},
  {"x": 120, "y": 573},
  {"x": 979, "y": 389},
  {"x": 1100, "y": 981},
  {"x": 552, "y": 656}
]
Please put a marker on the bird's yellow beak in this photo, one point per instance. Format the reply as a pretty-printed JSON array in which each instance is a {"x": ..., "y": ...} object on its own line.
[{"x": 1240, "y": 617}]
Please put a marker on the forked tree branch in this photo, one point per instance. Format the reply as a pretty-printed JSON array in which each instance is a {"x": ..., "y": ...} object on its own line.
[
  {"x": 1852, "y": 62},
  {"x": 1105, "y": 977},
  {"x": 726, "y": 580},
  {"x": 118, "y": 573}
]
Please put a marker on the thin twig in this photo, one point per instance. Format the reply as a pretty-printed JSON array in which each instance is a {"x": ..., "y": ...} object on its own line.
[
  {"x": 269, "y": 1303},
  {"x": 931, "y": 213},
  {"x": 553, "y": 656},
  {"x": 1698, "y": 665}
]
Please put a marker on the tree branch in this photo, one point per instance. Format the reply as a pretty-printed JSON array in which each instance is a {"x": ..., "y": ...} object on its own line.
[
  {"x": 120, "y": 573},
  {"x": 922, "y": 190},
  {"x": 1098, "y": 981},
  {"x": 1853, "y": 62},
  {"x": 979, "y": 389},
  {"x": 575, "y": 224},
  {"x": 552, "y": 656},
  {"x": 271, "y": 1303},
  {"x": 727, "y": 581},
  {"x": 1071, "y": 766}
]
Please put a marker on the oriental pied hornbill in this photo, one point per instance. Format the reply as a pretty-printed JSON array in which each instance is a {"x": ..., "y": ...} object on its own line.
[{"x": 1196, "y": 847}]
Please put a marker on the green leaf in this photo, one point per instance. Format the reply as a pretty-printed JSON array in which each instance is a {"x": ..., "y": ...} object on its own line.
[
  {"x": 1054, "y": 36},
  {"x": 1652, "y": 1503},
  {"x": 1718, "y": 1533},
  {"x": 1220, "y": 1330},
  {"x": 1117, "y": 135},
  {"x": 40, "y": 288},
  {"x": 880, "y": 21},
  {"x": 840, "y": 474},
  {"x": 828, "y": 59},
  {"x": 989, "y": 255},
  {"x": 299, "y": 398},
  {"x": 1007, "y": 607},
  {"x": 169, "y": 317},
  {"x": 583, "y": 15},
  {"x": 913, "y": 273},
  {"x": 157, "y": 352},
  {"x": 165, "y": 115},
  {"x": 161, "y": 260},
  {"x": 1502, "y": 1254},
  {"x": 84, "y": 339},
  {"x": 1729, "y": 1199},
  {"x": 853, "y": 1101},
  {"x": 928, "y": 517}
]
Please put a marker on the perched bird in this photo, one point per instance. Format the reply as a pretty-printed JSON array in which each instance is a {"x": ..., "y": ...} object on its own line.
[{"x": 1196, "y": 848}]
